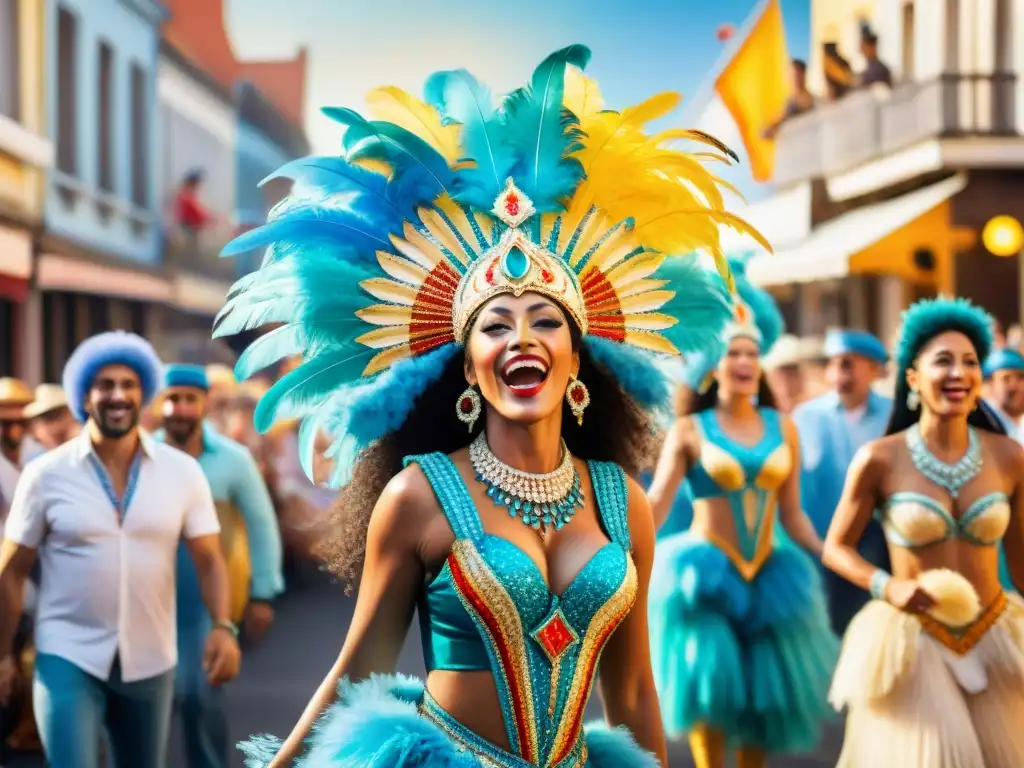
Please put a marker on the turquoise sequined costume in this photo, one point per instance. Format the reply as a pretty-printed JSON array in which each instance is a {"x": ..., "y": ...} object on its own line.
[
  {"x": 740, "y": 637},
  {"x": 376, "y": 267}
]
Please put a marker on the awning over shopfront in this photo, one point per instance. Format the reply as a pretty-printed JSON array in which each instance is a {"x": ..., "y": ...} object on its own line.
[
  {"x": 826, "y": 253},
  {"x": 64, "y": 273}
]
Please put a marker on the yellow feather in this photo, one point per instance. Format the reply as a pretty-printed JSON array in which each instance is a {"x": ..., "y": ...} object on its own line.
[
  {"x": 582, "y": 94},
  {"x": 640, "y": 286},
  {"x": 654, "y": 342},
  {"x": 385, "y": 289},
  {"x": 389, "y": 336},
  {"x": 634, "y": 270},
  {"x": 406, "y": 111},
  {"x": 665, "y": 226},
  {"x": 385, "y": 359},
  {"x": 413, "y": 236},
  {"x": 402, "y": 269},
  {"x": 371, "y": 164},
  {"x": 646, "y": 302},
  {"x": 426, "y": 260},
  {"x": 385, "y": 314},
  {"x": 649, "y": 321}
]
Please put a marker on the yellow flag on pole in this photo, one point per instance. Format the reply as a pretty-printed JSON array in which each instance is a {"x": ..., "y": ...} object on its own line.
[{"x": 755, "y": 87}]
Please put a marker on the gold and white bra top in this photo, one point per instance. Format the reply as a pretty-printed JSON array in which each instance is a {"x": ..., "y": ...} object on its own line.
[{"x": 915, "y": 520}]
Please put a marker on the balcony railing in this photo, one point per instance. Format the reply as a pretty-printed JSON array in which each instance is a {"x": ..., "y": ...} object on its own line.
[
  {"x": 872, "y": 123},
  {"x": 198, "y": 253}
]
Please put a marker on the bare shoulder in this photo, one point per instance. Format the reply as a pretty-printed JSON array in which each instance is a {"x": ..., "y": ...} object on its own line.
[
  {"x": 639, "y": 518},
  {"x": 1007, "y": 452},
  {"x": 873, "y": 459},
  {"x": 407, "y": 502},
  {"x": 684, "y": 435}
]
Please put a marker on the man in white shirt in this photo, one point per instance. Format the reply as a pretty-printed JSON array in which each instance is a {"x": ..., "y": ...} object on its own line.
[{"x": 105, "y": 513}]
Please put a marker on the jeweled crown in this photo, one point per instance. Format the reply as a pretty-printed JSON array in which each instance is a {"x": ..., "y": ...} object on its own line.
[{"x": 516, "y": 265}]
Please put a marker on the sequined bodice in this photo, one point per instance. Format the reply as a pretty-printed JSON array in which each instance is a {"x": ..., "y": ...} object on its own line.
[
  {"x": 749, "y": 477},
  {"x": 915, "y": 520},
  {"x": 491, "y": 608}
]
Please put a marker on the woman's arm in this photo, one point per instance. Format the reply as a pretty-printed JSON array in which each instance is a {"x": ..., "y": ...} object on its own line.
[
  {"x": 1013, "y": 541},
  {"x": 791, "y": 514},
  {"x": 392, "y": 574},
  {"x": 626, "y": 679},
  {"x": 673, "y": 464}
]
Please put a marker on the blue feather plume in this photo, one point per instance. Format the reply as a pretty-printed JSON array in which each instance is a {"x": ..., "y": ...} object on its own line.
[
  {"x": 702, "y": 304},
  {"x": 636, "y": 371},
  {"x": 763, "y": 307},
  {"x": 544, "y": 133},
  {"x": 461, "y": 98}
]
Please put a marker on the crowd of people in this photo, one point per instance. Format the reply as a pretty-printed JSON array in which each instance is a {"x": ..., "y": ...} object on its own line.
[
  {"x": 73, "y": 664},
  {"x": 583, "y": 461}
]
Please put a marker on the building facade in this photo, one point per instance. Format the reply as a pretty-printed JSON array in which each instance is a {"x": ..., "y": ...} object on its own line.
[
  {"x": 883, "y": 194},
  {"x": 25, "y": 153},
  {"x": 198, "y": 131},
  {"x": 98, "y": 258}
]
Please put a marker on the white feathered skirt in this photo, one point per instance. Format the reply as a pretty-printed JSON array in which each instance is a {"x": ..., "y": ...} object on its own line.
[{"x": 920, "y": 696}]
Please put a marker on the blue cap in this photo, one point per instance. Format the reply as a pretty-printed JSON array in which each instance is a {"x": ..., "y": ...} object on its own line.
[
  {"x": 186, "y": 375},
  {"x": 1003, "y": 360},
  {"x": 852, "y": 342}
]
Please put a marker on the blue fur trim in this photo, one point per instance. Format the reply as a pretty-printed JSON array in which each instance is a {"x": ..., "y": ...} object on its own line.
[
  {"x": 186, "y": 375},
  {"x": 762, "y": 305},
  {"x": 609, "y": 747},
  {"x": 111, "y": 348},
  {"x": 637, "y": 372},
  {"x": 752, "y": 659},
  {"x": 926, "y": 319}
]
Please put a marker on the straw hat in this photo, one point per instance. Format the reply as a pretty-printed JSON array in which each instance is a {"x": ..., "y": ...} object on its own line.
[
  {"x": 788, "y": 350},
  {"x": 221, "y": 376},
  {"x": 49, "y": 397},
  {"x": 14, "y": 396}
]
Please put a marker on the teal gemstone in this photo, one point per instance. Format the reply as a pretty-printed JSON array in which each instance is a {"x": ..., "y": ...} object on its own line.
[
  {"x": 528, "y": 507},
  {"x": 513, "y": 513},
  {"x": 515, "y": 264},
  {"x": 519, "y": 504}
]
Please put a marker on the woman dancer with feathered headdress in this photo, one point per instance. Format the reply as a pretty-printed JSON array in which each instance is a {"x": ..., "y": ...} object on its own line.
[
  {"x": 518, "y": 255},
  {"x": 741, "y": 647},
  {"x": 932, "y": 669}
]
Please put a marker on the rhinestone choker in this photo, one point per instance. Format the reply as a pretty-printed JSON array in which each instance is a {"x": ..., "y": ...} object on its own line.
[
  {"x": 540, "y": 501},
  {"x": 951, "y": 477}
]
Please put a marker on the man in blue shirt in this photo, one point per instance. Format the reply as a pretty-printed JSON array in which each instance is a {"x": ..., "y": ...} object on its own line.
[
  {"x": 247, "y": 521},
  {"x": 832, "y": 428}
]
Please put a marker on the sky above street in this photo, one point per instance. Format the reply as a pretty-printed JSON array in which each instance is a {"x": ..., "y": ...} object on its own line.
[{"x": 640, "y": 47}]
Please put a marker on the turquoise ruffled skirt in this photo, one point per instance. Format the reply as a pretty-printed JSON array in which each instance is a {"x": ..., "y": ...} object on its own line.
[
  {"x": 754, "y": 659},
  {"x": 389, "y": 721}
]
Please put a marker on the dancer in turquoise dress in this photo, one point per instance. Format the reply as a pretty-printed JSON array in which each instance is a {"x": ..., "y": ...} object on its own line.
[
  {"x": 741, "y": 646},
  {"x": 491, "y": 386}
]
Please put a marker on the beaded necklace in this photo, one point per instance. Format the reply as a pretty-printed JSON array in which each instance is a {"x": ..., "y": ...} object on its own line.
[
  {"x": 951, "y": 477},
  {"x": 540, "y": 501}
]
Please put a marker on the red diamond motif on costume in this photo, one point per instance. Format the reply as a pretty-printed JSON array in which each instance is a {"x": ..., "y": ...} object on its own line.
[{"x": 555, "y": 636}]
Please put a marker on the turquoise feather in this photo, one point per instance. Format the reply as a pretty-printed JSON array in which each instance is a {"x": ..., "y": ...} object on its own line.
[
  {"x": 702, "y": 304},
  {"x": 305, "y": 223},
  {"x": 543, "y": 133},
  {"x": 763, "y": 307},
  {"x": 461, "y": 98},
  {"x": 309, "y": 386}
]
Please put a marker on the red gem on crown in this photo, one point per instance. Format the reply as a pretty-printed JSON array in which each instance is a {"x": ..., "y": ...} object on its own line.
[
  {"x": 546, "y": 276},
  {"x": 512, "y": 204}
]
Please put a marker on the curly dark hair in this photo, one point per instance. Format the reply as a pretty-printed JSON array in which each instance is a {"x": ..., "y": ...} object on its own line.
[{"x": 618, "y": 430}]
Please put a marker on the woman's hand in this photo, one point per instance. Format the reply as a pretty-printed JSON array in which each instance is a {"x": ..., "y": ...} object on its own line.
[{"x": 907, "y": 595}]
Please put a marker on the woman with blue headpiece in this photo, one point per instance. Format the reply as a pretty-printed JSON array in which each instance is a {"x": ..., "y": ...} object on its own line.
[
  {"x": 741, "y": 647},
  {"x": 514, "y": 292},
  {"x": 932, "y": 669}
]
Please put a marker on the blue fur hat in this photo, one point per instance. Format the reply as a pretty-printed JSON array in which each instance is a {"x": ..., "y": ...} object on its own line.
[
  {"x": 111, "y": 348},
  {"x": 925, "y": 320},
  {"x": 855, "y": 342},
  {"x": 1003, "y": 360},
  {"x": 186, "y": 375}
]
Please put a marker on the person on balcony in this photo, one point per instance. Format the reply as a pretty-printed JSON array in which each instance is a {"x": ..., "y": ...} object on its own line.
[
  {"x": 875, "y": 70},
  {"x": 801, "y": 101},
  {"x": 839, "y": 77},
  {"x": 189, "y": 212}
]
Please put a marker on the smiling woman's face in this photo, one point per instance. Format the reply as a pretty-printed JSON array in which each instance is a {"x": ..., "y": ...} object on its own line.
[
  {"x": 947, "y": 375},
  {"x": 739, "y": 371},
  {"x": 520, "y": 354}
]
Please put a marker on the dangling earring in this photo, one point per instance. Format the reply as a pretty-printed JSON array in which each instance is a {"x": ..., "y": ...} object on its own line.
[
  {"x": 578, "y": 397},
  {"x": 468, "y": 407},
  {"x": 913, "y": 400}
]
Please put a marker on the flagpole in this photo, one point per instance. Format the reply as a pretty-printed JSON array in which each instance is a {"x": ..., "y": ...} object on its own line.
[{"x": 706, "y": 92}]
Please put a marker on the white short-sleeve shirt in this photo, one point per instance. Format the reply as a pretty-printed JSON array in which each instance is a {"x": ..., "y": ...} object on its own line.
[{"x": 108, "y": 588}]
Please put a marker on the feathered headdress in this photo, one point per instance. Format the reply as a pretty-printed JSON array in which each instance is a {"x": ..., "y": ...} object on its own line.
[
  {"x": 926, "y": 319},
  {"x": 437, "y": 206},
  {"x": 757, "y": 316}
]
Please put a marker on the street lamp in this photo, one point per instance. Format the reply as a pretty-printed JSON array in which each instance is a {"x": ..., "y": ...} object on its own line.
[{"x": 1003, "y": 236}]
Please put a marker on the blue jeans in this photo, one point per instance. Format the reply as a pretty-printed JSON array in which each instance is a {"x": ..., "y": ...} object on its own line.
[
  {"x": 204, "y": 718},
  {"x": 74, "y": 710}
]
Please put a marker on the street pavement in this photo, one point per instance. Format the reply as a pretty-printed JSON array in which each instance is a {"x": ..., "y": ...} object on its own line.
[{"x": 279, "y": 675}]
